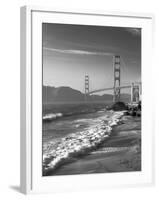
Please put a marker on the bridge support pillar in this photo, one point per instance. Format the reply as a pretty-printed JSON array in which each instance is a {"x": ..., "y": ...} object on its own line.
[
  {"x": 135, "y": 93},
  {"x": 116, "y": 66},
  {"x": 132, "y": 92},
  {"x": 86, "y": 87}
]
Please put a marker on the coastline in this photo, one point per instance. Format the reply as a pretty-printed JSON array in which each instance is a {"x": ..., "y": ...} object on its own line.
[
  {"x": 121, "y": 152},
  {"x": 107, "y": 154}
]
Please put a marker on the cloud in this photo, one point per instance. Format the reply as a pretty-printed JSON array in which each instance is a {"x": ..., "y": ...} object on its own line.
[
  {"x": 77, "y": 52},
  {"x": 134, "y": 31}
]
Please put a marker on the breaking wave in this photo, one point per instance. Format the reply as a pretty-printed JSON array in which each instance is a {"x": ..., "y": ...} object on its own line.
[
  {"x": 52, "y": 116},
  {"x": 73, "y": 145}
]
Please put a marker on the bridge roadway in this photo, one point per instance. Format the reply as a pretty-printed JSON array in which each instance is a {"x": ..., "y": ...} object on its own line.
[{"x": 112, "y": 88}]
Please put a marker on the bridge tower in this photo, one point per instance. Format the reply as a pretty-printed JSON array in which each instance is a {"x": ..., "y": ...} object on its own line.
[
  {"x": 135, "y": 93},
  {"x": 86, "y": 87},
  {"x": 116, "y": 66}
]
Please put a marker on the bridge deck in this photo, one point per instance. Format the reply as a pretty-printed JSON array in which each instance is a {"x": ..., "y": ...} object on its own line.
[{"x": 111, "y": 88}]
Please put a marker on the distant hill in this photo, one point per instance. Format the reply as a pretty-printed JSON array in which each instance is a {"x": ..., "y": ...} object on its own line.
[
  {"x": 61, "y": 94},
  {"x": 68, "y": 95}
]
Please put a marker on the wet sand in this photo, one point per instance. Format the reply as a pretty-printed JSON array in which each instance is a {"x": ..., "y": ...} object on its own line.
[{"x": 119, "y": 153}]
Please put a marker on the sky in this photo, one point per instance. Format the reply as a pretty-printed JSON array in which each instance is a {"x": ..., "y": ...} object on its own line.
[{"x": 72, "y": 51}]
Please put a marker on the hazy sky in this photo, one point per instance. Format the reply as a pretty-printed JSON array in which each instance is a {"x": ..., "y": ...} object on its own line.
[{"x": 72, "y": 51}]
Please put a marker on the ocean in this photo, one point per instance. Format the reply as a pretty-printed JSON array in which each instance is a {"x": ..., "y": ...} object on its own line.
[
  {"x": 62, "y": 119},
  {"x": 73, "y": 129}
]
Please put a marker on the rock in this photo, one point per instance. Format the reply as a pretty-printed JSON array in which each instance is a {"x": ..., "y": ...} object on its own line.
[{"x": 118, "y": 106}]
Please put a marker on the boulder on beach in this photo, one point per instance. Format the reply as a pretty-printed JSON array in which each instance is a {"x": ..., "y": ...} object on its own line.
[{"x": 118, "y": 106}]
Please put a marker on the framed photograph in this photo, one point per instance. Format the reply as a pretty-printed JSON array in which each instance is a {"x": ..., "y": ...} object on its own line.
[{"x": 86, "y": 103}]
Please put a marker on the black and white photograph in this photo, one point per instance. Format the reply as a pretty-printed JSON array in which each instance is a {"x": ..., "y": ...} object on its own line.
[{"x": 91, "y": 99}]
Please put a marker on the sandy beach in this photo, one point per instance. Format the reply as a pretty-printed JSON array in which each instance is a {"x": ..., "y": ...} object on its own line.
[{"x": 121, "y": 152}]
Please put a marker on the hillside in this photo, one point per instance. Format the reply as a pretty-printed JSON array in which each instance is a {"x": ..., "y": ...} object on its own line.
[{"x": 68, "y": 95}]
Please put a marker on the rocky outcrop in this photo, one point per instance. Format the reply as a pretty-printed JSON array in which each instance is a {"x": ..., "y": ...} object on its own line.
[{"x": 118, "y": 106}]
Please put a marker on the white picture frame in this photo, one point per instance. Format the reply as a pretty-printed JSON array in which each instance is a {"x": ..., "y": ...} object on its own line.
[{"x": 31, "y": 109}]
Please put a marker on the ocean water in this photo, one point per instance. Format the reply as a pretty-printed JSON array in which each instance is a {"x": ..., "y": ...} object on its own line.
[
  {"x": 71, "y": 129},
  {"x": 62, "y": 119}
]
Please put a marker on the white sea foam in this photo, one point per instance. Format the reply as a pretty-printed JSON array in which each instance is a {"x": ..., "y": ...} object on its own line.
[
  {"x": 52, "y": 116},
  {"x": 75, "y": 144},
  {"x": 110, "y": 150}
]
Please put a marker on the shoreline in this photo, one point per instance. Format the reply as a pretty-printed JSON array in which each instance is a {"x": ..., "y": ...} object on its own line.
[
  {"x": 121, "y": 152},
  {"x": 80, "y": 145}
]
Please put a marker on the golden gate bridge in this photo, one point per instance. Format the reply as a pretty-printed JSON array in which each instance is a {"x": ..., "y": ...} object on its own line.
[{"x": 117, "y": 87}]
